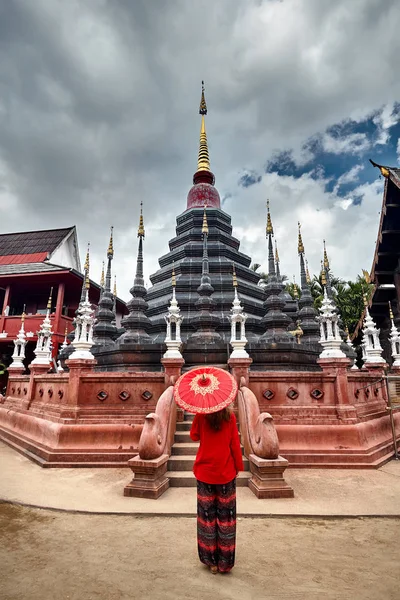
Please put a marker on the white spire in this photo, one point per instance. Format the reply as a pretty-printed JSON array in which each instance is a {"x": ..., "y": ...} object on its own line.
[
  {"x": 19, "y": 347},
  {"x": 173, "y": 320},
  {"x": 372, "y": 349},
  {"x": 330, "y": 339}
]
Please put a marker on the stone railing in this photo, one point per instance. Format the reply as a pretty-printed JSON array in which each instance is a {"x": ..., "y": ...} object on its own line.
[
  {"x": 159, "y": 428},
  {"x": 261, "y": 447}
]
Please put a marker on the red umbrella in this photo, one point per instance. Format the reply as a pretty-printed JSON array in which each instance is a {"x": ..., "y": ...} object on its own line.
[{"x": 205, "y": 390}]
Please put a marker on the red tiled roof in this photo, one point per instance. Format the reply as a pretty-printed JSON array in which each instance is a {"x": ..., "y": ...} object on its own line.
[{"x": 19, "y": 259}]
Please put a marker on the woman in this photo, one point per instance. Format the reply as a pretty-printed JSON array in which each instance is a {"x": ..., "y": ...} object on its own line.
[{"x": 218, "y": 462}]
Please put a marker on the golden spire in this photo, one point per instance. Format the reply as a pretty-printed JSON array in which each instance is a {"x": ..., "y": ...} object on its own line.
[
  {"x": 308, "y": 278},
  {"x": 234, "y": 278},
  {"x": 86, "y": 265},
  {"x": 300, "y": 246},
  {"x": 173, "y": 277},
  {"x": 50, "y": 299},
  {"x": 115, "y": 286},
  {"x": 269, "y": 229},
  {"x": 295, "y": 290},
  {"x": 24, "y": 314},
  {"x": 140, "y": 232},
  {"x": 66, "y": 332},
  {"x": 276, "y": 253},
  {"x": 365, "y": 300},
  {"x": 110, "y": 251},
  {"x": 390, "y": 311},
  {"x": 323, "y": 275},
  {"x": 204, "y": 229},
  {"x": 326, "y": 261},
  {"x": 102, "y": 276},
  {"x": 87, "y": 280},
  {"x": 203, "y": 161}
]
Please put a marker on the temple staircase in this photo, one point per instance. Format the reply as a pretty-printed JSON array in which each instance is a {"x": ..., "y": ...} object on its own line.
[{"x": 183, "y": 453}]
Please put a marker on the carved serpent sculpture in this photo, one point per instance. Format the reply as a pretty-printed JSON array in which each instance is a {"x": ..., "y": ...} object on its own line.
[
  {"x": 258, "y": 431},
  {"x": 159, "y": 428}
]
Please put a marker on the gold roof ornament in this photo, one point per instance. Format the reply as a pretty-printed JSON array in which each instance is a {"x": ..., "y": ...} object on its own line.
[
  {"x": 391, "y": 311},
  {"x": 365, "y": 300},
  {"x": 204, "y": 229},
  {"x": 115, "y": 286},
  {"x": 308, "y": 278},
  {"x": 23, "y": 314},
  {"x": 203, "y": 161},
  {"x": 140, "y": 232},
  {"x": 269, "y": 230},
  {"x": 87, "y": 263},
  {"x": 300, "y": 245},
  {"x": 110, "y": 250},
  {"x": 50, "y": 299},
  {"x": 276, "y": 253},
  {"x": 295, "y": 290},
  {"x": 384, "y": 171},
  {"x": 326, "y": 261},
  {"x": 366, "y": 275},
  {"x": 102, "y": 276},
  {"x": 323, "y": 274},
  {"x": 234, "y": 278},
  {"x": 87, "y": 280}
]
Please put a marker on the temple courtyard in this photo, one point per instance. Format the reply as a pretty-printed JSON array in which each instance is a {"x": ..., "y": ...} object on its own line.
[{"x": 71, "y": 534}]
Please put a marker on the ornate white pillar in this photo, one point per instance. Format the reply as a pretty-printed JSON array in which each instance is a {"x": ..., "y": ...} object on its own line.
[
  {"x": 83, "y": 340},
  {"x": 372, "y": 349},
  {"x": 19, "y": 348},
  {"x": 394, "y": 341},
  {"x": 173, "y": 318},
  {"x": 330, "y": 338},
  {"x": 43, "y": 345},
  {"x": 237, "y": 316}
]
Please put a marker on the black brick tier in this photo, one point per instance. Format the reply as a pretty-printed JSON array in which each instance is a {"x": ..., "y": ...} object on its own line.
[{"x": 186, "y": 252}]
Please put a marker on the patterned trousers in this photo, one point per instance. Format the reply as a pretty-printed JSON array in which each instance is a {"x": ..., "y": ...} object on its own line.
[{"x": 216, "y": 524}]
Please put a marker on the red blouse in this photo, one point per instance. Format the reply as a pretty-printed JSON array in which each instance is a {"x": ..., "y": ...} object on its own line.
[{"x": 219, "y": 457}]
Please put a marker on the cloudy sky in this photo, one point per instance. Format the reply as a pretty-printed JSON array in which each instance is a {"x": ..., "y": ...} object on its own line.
[{"x": 99, "y": 111}]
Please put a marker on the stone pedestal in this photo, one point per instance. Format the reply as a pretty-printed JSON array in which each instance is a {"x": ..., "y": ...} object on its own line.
[
  {"x": 376, "y": 367},
  {"x": 240, "y": 367},
  {"x": 16, "y": 370},
  {"x": 267, "y": 477},
  {"x": 172, "y": 368},
  {"x": 149, "y": 480}
]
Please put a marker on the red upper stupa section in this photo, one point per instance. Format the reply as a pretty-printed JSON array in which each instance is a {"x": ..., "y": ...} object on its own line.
[{"x": 203, "y": 193}]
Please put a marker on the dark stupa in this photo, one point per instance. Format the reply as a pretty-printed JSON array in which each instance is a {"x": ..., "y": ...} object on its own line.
[{"x": 186, "y": 255}]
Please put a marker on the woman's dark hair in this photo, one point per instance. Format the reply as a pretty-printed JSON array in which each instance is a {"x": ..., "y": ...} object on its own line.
[{"x": 216, "y": 419}]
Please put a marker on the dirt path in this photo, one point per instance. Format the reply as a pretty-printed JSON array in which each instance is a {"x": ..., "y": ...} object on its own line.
[{"x": 48, "y": 555}]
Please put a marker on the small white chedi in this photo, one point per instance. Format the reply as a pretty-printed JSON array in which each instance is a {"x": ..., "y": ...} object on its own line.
[
  {"x": 19, "y": 347},
  {"x": 84, "y": 322},
  {"x": 43, "y": 345},
  {"x": 173, "y": 320},
  {"x": 330, "y": 339},
  {"x": 394, "y": 341},
  {"x": 371, "y": 346},
  {"x": 238, "y": 319}
]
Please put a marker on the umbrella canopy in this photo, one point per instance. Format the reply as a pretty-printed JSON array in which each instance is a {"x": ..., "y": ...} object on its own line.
[{"x": 205, "y": 390}]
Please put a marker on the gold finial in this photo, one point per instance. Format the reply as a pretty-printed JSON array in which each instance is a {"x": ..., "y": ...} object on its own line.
[
  {"x": 366, "y": 275},
  {"x": 87, "y": 280},
  {"x": 326, "y": 261},
  {"x": 86, "y": 265},
  {"x": 346, "y": 330},
  {"x": 323, "y": 274},
  {"x": 269, "y": 229},
  {"x": 384, "y": 171},
  {"x": 203, "y": 161},
  {"x": 110, "y": 251},
  {"x": 140, "y": 232},
  {"x": 23, "y": 314},
  {"x": 115, "y": 286},
  {"x": 308, "y": 278},
  {"x": 102, "y": 276},
  {"x": 295, "y": 290},
  {"x": 276, "y": 253},
  {"x": 173, "y": 276},
  {"x": 365, "y": 300},
  {"x": 66, "y": 332},
  {"x": 50, "y": 299},
  {"x": 234, "y": 278},
  {"x": 204, "y": 229},
  {"x": 300, "y": 245},
  {"x": 390, "y": 311}
]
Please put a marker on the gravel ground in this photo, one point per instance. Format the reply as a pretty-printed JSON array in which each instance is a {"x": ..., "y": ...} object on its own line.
[{"x": 47, "y": 555}]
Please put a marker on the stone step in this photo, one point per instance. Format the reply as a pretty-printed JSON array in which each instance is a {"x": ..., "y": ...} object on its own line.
[
  {"x": 183, "y": 426},
  {"x": 185, "y": 448},
  {"x": 184, "y": 462},
  {"x": 183, "y": 437},
  {"x": 187, "y": 479}
]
